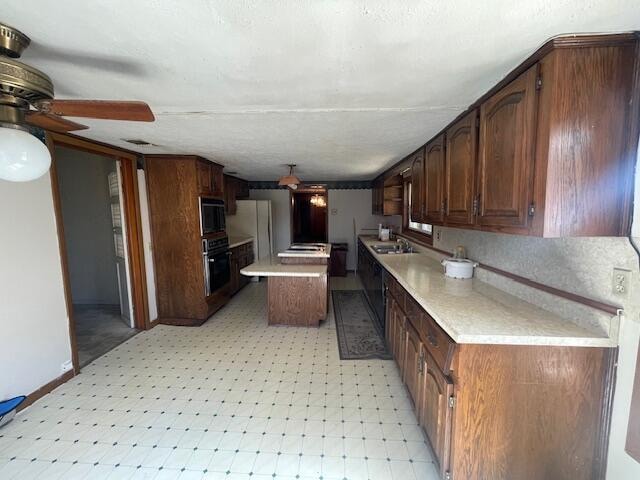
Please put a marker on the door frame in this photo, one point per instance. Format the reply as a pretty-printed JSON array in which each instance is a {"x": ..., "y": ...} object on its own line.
[
  {"x": 292, "y": 195},
  {"x": 128, "y": 164}
]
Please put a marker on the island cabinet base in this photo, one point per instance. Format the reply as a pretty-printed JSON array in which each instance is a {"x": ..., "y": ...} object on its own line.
[{"x": 297, "y": 301}]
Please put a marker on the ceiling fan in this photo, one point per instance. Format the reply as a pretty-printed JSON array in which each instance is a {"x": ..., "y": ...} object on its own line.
[{"x": 27, "y": 99}]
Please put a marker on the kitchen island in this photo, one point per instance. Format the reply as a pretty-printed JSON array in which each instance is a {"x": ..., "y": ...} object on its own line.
[{"x": 297, "y": 294}]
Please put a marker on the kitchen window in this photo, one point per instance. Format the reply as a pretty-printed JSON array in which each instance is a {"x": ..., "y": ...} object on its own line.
[{"x": 408, "y": 224}]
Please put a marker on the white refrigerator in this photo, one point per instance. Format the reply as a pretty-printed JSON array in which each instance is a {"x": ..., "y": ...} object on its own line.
[{"x": 253, "y": 219}]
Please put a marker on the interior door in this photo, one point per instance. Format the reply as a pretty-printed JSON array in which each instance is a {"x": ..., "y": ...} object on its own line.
[
  {"x": 119, "y": 239},
  {"x": 460, "y": 171},
  {"x": 435, "y": 413},
  {"x": 507, "y": 130},
  {"x": 434, "y": 181},
  {"x": 417, "y": 180}
]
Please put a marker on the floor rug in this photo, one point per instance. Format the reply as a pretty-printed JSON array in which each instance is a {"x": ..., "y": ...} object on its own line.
[{"x": 359, "y": 336}]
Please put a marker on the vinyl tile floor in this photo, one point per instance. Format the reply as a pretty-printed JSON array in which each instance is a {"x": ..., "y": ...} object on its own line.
[{"x": 233, "y": 399}]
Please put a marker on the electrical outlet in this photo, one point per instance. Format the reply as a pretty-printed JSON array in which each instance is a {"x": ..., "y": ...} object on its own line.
[
  {"x": 334, "y": 211},
  {"x": 621, "y": 282},
  {"x": 438, "y": 234},
  {"x": 66, "y": 366}
]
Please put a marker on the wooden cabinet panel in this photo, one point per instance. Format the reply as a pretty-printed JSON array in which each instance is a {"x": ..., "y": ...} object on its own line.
[
  {"x": 433, "y": 196},
  {"x": 507, "y": 129},
  {"x": 204, "y": 177},
  {"x": 399, "y": 337},
  {"x": 413, "y": 362},
  {"x": 435, "y": 412},
  {"x": 417, "y": 186},
  {"x": 460, "y": 171}
]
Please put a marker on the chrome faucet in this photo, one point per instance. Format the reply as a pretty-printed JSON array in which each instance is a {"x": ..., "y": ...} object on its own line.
[{"x": 405, "y": 246}]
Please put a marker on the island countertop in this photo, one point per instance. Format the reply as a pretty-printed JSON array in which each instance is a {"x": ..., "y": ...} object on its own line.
[
  {"x": 271, "y": 267},
  {"x": 472, "y": 311},
  {"x": 323, "y": 252}
]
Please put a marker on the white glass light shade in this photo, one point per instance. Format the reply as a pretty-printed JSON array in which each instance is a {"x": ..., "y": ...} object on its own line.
[{"x": 22, "y": 156}]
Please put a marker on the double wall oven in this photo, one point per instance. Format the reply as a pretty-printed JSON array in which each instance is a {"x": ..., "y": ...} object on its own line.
[{"x": 215, "y": 251}]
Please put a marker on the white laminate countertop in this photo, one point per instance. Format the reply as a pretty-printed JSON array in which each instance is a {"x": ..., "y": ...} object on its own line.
[
  {"x": 472, "y": 311},
  {"x": 237, "y": 241},
  {"x": 271, "y": 267},
  {"x": 324, "y": 253}
]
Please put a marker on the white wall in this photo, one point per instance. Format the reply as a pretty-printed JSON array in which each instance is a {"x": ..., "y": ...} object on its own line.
[
  {"x": 349, "y": 205},
  {"x": 33, "y": 316},
  {"x": 345, "y": 206},
  {"x": 88, "y": 230}
]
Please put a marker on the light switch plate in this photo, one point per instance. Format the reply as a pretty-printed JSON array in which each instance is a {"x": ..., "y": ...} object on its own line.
[{"x": 621, "y": 282}]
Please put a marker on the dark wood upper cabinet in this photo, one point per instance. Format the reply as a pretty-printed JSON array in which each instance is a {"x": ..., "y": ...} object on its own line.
[
  {"x": 210, "y": 178},
  {"x": 417, "y": 186},
  {"x": 434, "y": 199},
  {"x": 556, "y": 147},
  {"x": 234, "y": 189},
  {"x": 507, "y": 130},
  {"x": 460, "y": 171}
]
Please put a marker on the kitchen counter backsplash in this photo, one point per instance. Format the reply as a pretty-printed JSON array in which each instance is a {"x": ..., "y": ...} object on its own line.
[{"x": 583, "y": 266}]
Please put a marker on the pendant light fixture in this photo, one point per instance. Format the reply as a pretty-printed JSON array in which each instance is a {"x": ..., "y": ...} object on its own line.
[{"x": 290, "y": 180}]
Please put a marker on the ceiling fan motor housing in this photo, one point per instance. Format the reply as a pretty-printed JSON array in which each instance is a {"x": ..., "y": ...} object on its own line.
[{"x": 20, "y": 84}]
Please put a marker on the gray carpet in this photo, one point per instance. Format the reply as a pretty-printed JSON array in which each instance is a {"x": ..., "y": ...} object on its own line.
[
  {"x": 99, "y": 328},
  {"x": 359, "y": 336}
]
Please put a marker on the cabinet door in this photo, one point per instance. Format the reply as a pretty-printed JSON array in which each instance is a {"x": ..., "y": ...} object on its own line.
[
  {"x": 435, "y": 413},
  {"x": 507, "y": 129},
  {"x": 389, "y": 323},
  {"x": 460, "y": 171},
  {"x": 217, "y": 181},
  {"x": 434, "y": 182},
  {"x": 417, "y": 186},
  {"x": 204, "y": 177},
  {"x": 234, "y": 282},
  {"x": 413, "y": 364},
  {"x": 399, "y": 337}
]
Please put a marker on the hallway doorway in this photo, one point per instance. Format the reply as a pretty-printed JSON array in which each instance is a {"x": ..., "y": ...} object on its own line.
[
  {"x": 309, "y": 221},
  {"x": 94, "y": 235}
]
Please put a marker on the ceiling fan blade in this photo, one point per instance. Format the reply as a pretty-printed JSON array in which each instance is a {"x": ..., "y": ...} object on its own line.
[
  {"x": 102, "y": 109},
  {"x": 54, "y": 123}
]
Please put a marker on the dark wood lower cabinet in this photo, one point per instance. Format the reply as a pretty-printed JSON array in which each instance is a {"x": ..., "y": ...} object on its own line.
[
  {"x": 502, "y": 412},
  {"x": 434, "y": 410},
  {"x": 239, "y": 257}
]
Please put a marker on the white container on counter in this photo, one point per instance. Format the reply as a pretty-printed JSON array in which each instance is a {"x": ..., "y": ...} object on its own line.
[{"x": 458, "y": 267}]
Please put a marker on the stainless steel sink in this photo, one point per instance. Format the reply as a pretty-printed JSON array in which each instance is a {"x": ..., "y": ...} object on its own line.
[{"x": 389, "y": 249}]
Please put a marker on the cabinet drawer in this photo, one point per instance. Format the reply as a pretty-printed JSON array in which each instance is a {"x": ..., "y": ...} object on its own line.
[{"x": 437, "y": 342}]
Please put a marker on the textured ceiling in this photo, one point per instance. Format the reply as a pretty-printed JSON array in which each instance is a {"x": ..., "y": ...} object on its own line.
[{"x": 342, "y": 88}]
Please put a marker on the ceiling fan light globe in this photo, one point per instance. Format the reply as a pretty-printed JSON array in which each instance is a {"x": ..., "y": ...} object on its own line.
[{"x": 22, "y": 156}]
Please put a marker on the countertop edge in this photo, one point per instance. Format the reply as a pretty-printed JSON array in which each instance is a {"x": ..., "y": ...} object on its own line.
[{"x": 237, "y": 243}]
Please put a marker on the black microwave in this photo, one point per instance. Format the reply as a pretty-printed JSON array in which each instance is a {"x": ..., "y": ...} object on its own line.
[{"x": 211, "y": 215}]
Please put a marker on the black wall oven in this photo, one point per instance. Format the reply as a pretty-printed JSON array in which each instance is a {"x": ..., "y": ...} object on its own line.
[
  {"x": 211, "y": 215},
  {"x": 215, "y": 257}
]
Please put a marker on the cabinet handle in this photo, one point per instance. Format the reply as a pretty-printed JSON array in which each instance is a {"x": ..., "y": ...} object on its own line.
[
  {"x": 476, "y": 205},
  {"x": 421, "y": 362}
]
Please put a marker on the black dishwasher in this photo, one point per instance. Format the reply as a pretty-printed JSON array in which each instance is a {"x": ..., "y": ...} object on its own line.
[{"x": 371, "y": 275}]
